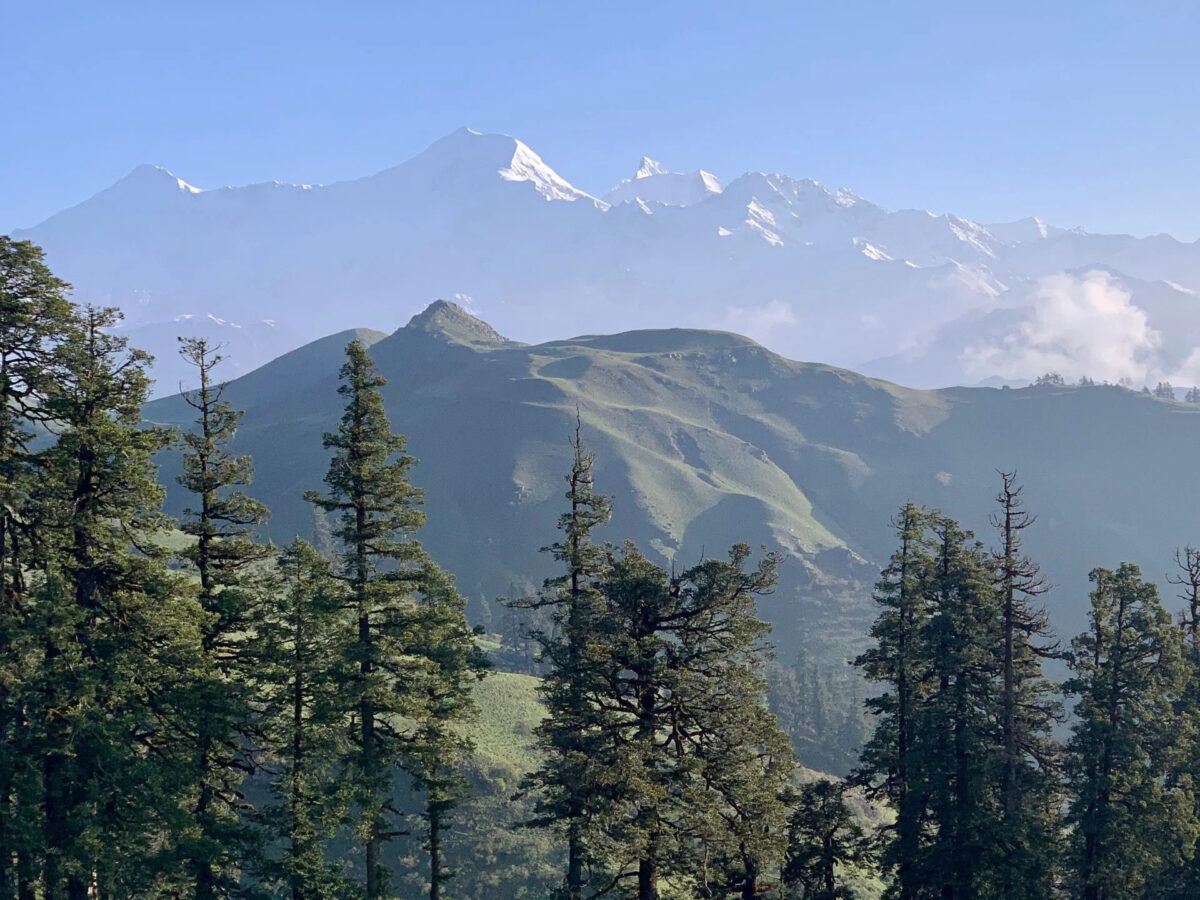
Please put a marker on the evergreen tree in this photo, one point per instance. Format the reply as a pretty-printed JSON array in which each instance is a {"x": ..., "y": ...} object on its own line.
[
  {"x": 1182, "y": 879},
  {"x": 1027, "y": 756},
  {"x": 953, "y": 721},
  {"x": 394, "y": 590},
  {"x": 224, "y": 556},
  {"x": 34, "y": 316},
  {"x": 694, "y": 755},
  {"x": 117, "y": 630},
  {"x": 744, "y": 762},
  {"x": 823, "y": 839},
  {"x": 300, "y": 651},
  {"x": 572, "y": 737},
  {"x": 889, "y": 761},
  {"x": 1125, "y": 826},
  {"x": 450, "y": 664}
]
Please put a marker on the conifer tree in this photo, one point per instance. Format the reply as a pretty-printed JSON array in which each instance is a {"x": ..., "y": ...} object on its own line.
[
  {"x": 953, "y": 722},
  {"x": 34, "y": 316},
  {"x": 224, "y": 556},
  {"x": 573, "y": 735},
  {"x": 450, "y": 663},
  {"x": 1125, "y": 826},
  {"x": 300, "y": 651},
  {"x": 1028, "y": 754},
  {"x": 680, "y": 650},
  {"x": 394, "y": 591},
  {"x": 823, "y": 839},
  {"x": 116, "y": 629},
  {"x": 741, "y": 778},
  {"x": 889, "y": 763}
]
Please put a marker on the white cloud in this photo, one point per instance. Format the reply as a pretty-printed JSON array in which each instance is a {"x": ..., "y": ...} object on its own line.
[{"x": 1076, "y": 326}]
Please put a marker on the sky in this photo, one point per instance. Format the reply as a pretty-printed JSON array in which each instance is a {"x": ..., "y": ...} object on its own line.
[{"x": 1082, "y": 113}]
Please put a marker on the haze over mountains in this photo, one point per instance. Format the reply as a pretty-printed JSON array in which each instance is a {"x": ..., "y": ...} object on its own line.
[
  {"x": 812, "y": 273},
  {"x": 706, "y": 438}
]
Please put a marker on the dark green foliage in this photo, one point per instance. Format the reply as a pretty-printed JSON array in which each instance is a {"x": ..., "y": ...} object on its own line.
[
  {"x": 412, "y": 654},
  {"x": 299, "y": 648},
  {"x": 34, "y": 316},
  {"x": 1126, "y": 825},
  {"x": 824, "y": 839},
  {"x": 962, "y": 749},
  {"x": 1022, "y": 850},
  {"x": 572, "y": 792},
  {"x": 116, "y": 629},
  {"x": 698, "y": 770},
  {"x": 224, "y": 556},
  {"x": 890, "y": 759}
]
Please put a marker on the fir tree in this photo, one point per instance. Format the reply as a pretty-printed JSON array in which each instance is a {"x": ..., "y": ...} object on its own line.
[
  {"x": 223, "y": 555},
  {"x": 116, "y": 627},
  {"x": 953, "y": 722},
  {"x": 1125, "y": 826},
  {"x": 573, "y": 734},
  {"x": 889, "y": 760},
  {"x": 300, "y": 652},
  {"x": 394, "y": 591},
  {"x": 1027, "y": 756},
  {"x": 694, "y": 756},
  {"x": 34, "y": 317},
  {"x": 823, "y": 840}
]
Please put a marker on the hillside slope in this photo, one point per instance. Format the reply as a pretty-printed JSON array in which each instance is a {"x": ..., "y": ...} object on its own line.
[{"x": 706, "y": 438}]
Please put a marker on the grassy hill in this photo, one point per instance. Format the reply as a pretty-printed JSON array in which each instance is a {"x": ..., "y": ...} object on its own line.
[{"x": 706, "y": 438}]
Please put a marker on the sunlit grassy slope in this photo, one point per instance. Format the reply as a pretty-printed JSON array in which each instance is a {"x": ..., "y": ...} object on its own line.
[{"x": 706, "y": 438}]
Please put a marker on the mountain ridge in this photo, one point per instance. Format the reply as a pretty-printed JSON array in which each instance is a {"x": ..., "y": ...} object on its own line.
[
  {"x": 707, "y": 438},
  {"x": 809, "y": 271}
]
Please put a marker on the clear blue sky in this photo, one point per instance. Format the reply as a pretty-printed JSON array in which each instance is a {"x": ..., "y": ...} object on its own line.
[{"x": 1080, "y": 112}]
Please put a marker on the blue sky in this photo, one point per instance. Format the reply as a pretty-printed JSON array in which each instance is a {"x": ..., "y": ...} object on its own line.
[{"x": 1085, "y": 113}]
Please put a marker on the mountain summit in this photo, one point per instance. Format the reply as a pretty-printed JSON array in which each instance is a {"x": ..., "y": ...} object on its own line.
[
  {"x": 452, "y": 323},
  {"x": 812, "y": 273}
]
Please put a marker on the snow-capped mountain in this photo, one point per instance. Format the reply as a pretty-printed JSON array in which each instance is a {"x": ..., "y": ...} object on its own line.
[
  {"x": 654, "y": 184},
  {"x": 811, "y": 272}
]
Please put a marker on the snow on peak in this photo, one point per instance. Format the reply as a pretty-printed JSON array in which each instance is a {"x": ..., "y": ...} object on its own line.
[
  {"x": 526, "y": 165},
  {"x": 472, "y": 153},
  {"x": 153, "y": 177},
  {"x": 653, "y": 183},
  {"x": 649, "y": 167}
]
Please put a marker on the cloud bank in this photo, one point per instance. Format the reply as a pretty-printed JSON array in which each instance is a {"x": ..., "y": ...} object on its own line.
[{"x": 1077, "y": 326}]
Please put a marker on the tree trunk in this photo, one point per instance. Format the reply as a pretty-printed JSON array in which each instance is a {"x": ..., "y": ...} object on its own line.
[
  {"x": 574, "y": 862},
  {"x": 648, "y": 876},
  {"x": 435, "y": 853}
]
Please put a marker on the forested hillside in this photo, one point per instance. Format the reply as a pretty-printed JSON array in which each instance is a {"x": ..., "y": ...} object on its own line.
[{"x": 190, "y": 710}]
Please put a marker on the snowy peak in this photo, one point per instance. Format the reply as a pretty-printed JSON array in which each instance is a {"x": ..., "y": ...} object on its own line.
[
  {"x": 468, "y": 154},
  {"x": 649, "y": 167},
  {"x": 151, "y": 179},
  {"x": 653, "y": 183}
]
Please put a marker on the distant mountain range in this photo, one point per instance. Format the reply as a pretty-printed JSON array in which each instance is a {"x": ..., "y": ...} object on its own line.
[
  {"x": 812, "y": 273},
  {"x": 705, "y": 438}
]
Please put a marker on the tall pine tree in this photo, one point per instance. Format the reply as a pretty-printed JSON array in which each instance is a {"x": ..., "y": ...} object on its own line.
[
  {"x": 573, "y": 735},
  {"x": 1125, "y": 827},
  {"x": 402, "y": 685},
  {"x": 34, "y": 317},
  {"x": 890, "y": 761},
  {"x": 299, "y": 646},
  {"x": 116, "y": 629},
  {"x": 1022, "y": 855},
  {"x": 224, "y": 556}
]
